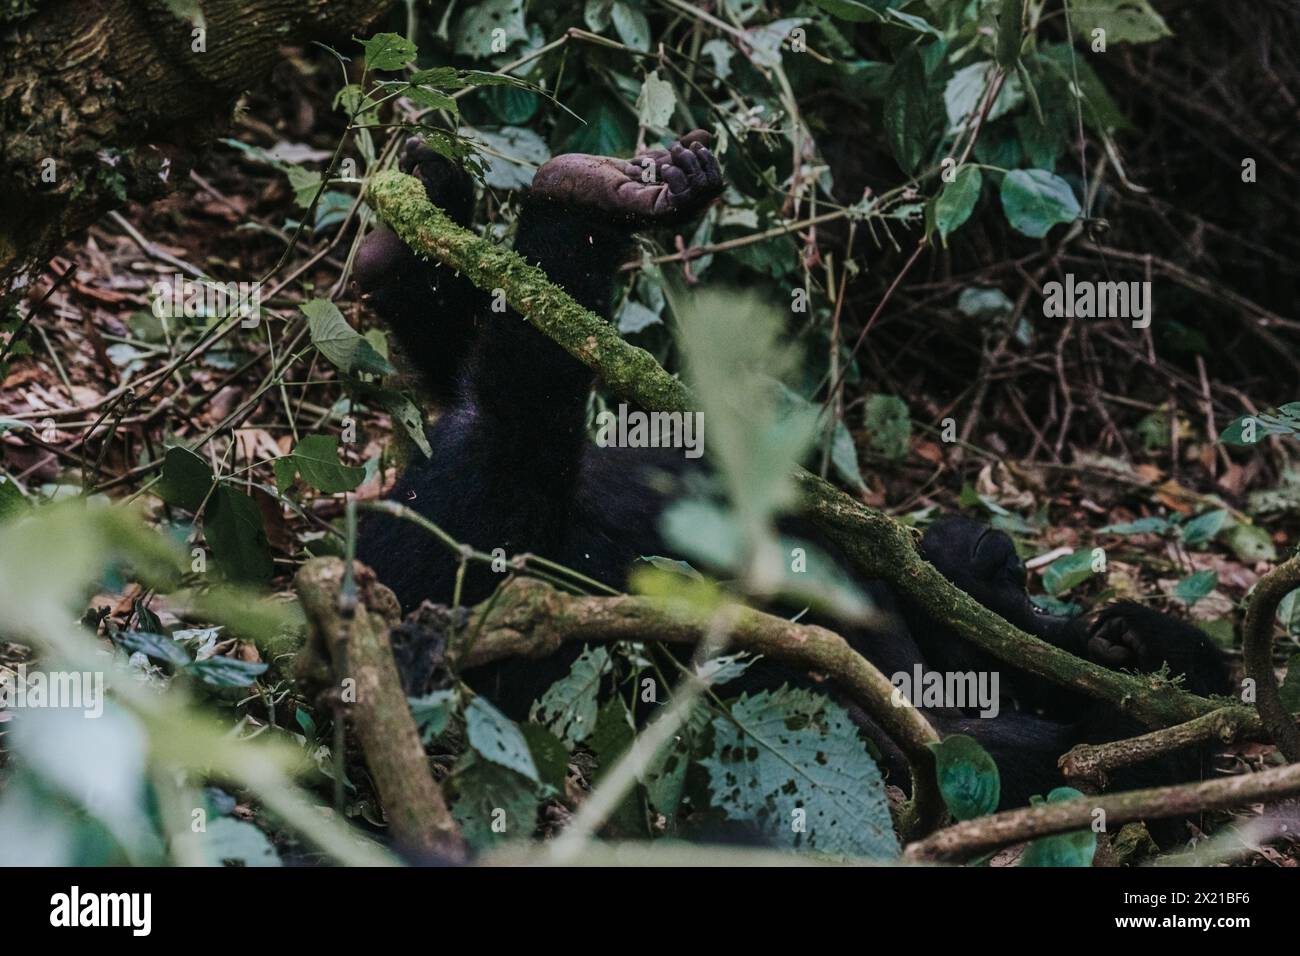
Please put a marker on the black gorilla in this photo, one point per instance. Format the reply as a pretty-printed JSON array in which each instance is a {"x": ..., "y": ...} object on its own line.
[{"x": 512, "y": 468}]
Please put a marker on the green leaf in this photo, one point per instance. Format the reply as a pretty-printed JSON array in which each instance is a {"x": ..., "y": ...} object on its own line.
[
  {"x": 1062, "y": 849},
  {"x": 186, "y": 479},
  {"x": 1250, "y": 543},
  {"x": 909, "y": 115},
  {"x": 890, "y": 424},
  {"x": 1010, "y": 30},
  {"x": 568, "y": 708},
  {"x": 656, "y": 102},
  {"x": 1196, "y": 586},
  {"x": 317, "y": 458},
  {"x": 793, "y": 750},
  {"x": 496, "y": 738},
  {"x": 1203, "y": 528},
  {"x": 388, "y": 51},
  {"x": 433, "y": 712},
  {"x": 12, "y": 500},
  {"x": 305, "y": 184},
  {"x": 1125, "y": 21},
  {"x": 631, "y": 25},
  {"x": 985, "y": 304},
  {"x": 226, "y": 671},
  {"x": 549, "y": 754},
  {"x": 1035, "y": 200},
  {"x": 346, "y": 348},
  {"x": 160, "y": 647},
  {"x": 965, "y": 92},
  {"x": 286, "y": 469},
  {"x": 232, "y": 527},
  {"x": 474, "y": 31},
  {"x": 404, "y": 413},
  {"x": 493, "y": 804},
  {"x": 954, "y": 205},
  {"x": 1067, "y": 572},
  {"x": 968, "y": 777}
]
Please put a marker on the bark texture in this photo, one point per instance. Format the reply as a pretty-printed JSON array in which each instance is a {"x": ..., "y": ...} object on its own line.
[{"x": 105, "y": 100}]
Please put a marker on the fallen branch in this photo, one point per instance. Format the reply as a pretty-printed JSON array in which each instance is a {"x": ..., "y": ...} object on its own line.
[
  {"x": 985, "y": 834},
  {"x": 356, "y": 642},
  {"x": 1091, "y": 763},
  {"x": 878, "y": 545},
  {"x": 531, "y": 619},
  {"x": 1257, "y": 652}
]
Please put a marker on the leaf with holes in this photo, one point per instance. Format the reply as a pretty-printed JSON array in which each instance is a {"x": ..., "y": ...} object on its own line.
[{"x": 791, "y": 757}]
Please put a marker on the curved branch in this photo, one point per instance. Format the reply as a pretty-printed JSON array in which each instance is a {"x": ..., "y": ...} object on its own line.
[
  {"x": 1257, "y": 648},
  {"x": 532, "y": 619},
  {"x": 1013, "y": 826}
]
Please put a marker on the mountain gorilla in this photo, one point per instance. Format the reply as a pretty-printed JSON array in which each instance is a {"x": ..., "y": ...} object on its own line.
[{"x": 512, "y": 468}]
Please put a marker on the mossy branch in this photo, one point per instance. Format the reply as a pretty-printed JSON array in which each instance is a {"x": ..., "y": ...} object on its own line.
[
  {"x": 1257, "y": 648},
  {"x": 355, "y": 642},
  {"x": 878, "y": 545}
]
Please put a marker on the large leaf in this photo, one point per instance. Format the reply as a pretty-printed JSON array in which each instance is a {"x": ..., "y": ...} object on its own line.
[
  {"x": 1036, "y": 200},
  {"x": 1063, "y": 849},
  {"x": 186, "y": 479},
  {"x": 493, "y": 803},
  {"x": 317, "y": 458},
  {"x": 1125, "y": 21},
  {"x": 968, "y": 777},
  {"x": 496, "y": 738},
  {"x": 1068, "y": 572},
  {"x": 343, "y": 345},
  {"x": 789, "y": 750},
  {"x": 954, "y": 205},
  {"x": 909, "y": 111},
  {"x": 388, "y": 51},
  {"x": 474, "y": 31},
  {"x": 232, "y": 526},
  {"x": 568, "y": 708}
]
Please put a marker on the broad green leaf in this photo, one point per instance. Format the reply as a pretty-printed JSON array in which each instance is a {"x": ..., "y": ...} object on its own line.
[
  {"x": 317, "y": 458},
  {"x": 909, "y": 112},
  {"x": 475, "y": 35},
  {"x": 1250, "y": 543},
  {"x": 1196, "y": 586},
  {"x": 791, "y": 763},
  {"x": 954, "y": 205},
  {"x": 986, "y": 304},
  {"x": 493, "y": 803},
  {"x": 1203, "y": 528},
  {"x": 186, "y": 479},
  {"x": 226, "y": 671},
  {"x": 1067, "y": 572},
  {"x": 496, "y": 738},
  {"x": 12, "y": 500},
  {"x": 964, "y": 95},
  {"x": 160, "y": 647},
  {"x": 549, "y": 754},
  {"x": 232, "y": 527},
  {"x": 568, "y": 708},
  {"x": 433, "y": 712},
  {"x": 388, "y": 51},
  {"x": 515, "y": 142},
  {"x": 968, "y": 777},
  {"x": 404, "y": 413},
  {"x": 631, "y": 25},
  {"x": 1062, "y": 849},
  {"x": 656, "y": 102},
  {"x": 285, "y": 469},
  {"x": 1125, "y": 21},
  {"x": 1035, "y": 200},
  {"x": 889, "y": 422},
  {"x": 346, "y": 348},
  {"x": 1011, "y": 15}
]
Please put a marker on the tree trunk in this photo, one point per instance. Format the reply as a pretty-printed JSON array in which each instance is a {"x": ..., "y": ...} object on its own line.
[{"x": 105, "y": 100}]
